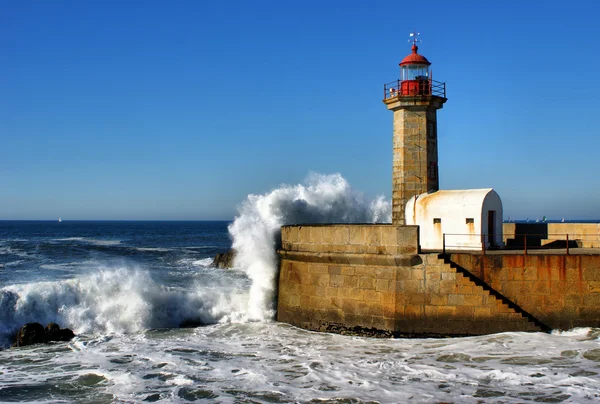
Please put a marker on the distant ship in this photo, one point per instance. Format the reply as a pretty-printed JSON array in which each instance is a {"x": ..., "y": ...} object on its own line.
[{"x": 59, "y": 220}]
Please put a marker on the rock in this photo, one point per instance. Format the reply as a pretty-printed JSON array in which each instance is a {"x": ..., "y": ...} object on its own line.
[
  {"x": 29, "y": 334},
  {"x": 66, "y": 334},
  {"x": 55, "y": 333},
  {"x": 354, "y": 331},
  {"x": 52, "y": 330},
  {"x": 224, "y": 260},
  {"x": 35, "y": 333},
  {"x": 192, "y": 323}
]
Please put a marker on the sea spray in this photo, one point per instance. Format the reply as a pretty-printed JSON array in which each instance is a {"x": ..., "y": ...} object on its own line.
[
  {"x": 116, "y": 300},
  {"x": 323, "y": 199},
  {"x": 107, "y": 296}
]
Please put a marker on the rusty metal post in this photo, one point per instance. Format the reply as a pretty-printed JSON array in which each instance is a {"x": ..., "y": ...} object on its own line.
[
  {"x": 444, "y": 243},
  {"x": 525, "y": 243},
  {"x": 483, "y": 244},
  {"x": 567, "y": 243}
]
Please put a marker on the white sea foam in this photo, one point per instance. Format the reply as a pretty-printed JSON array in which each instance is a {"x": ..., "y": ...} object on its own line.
[
  {"x": 93, "y": 241},
  {"x": 194, "y": 264},
  {"x": 14, "y": 263},
  {"x": 61, "y": 267},
  {"x": 205, "y": 262},
  {"x": 116, "y": 300},
  {"x": 323, "y": 199},
  {"x": 8, "y": 250},
  {"x": 153, "y": 249},
  {"x": 575, "y": 332},
  {"x": 271, "y": 362}
]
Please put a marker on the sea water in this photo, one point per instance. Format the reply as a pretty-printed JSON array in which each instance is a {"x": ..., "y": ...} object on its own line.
[{"x": 126, "y": 287}]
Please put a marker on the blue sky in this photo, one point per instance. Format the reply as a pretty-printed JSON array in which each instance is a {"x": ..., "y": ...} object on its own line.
[{"x": 178, "y": 110}]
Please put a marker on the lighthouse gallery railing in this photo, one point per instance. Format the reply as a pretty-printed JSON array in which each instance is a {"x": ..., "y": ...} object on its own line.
[{"x": 416, "y": 88}]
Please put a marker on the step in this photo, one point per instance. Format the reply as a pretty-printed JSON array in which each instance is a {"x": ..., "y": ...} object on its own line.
[{"x": 504, "y": 308}]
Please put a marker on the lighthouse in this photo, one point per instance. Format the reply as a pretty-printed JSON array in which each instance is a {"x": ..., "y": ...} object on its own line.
[{"x": 414, "y": 98}]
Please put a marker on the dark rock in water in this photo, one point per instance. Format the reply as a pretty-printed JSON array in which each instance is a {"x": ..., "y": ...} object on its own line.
[
  {"x": 191, "y": 323},
  {"x": 55, "y": 333},
  {"x": 29, "y": 334},
  {"x": 35, "y": 333},
  {"x": 66, "y": 334},
  {"x": 52, "y": 330},
  {"x": 355, "y": 331},
  {"x": 224, "y": 260}
]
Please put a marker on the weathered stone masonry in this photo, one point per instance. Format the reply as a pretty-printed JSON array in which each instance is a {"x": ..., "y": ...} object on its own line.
[
  {"x": 559, "y": 290},
  {"x": 415, "y": 162},
  {"x": 371, "y": 277}
]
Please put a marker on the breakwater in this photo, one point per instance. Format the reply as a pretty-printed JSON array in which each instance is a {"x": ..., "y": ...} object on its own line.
[{"x": 373, "y": 278}]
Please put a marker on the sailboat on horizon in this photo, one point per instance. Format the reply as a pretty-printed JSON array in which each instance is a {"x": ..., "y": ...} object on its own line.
[{"x": 59, "y": 220}]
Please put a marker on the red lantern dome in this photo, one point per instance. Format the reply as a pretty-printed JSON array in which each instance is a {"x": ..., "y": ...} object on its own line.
[{"x": 415, "y": 58}]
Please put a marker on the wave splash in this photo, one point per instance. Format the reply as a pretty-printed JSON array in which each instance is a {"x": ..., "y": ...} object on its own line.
[
  {"x": 114, "y": 300},
  {"x": 122, "y": 299},
  {"x": 323, "y": 199}
]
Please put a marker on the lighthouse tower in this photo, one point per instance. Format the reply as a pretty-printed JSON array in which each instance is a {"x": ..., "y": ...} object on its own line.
[{"x": 414, "y": 99}]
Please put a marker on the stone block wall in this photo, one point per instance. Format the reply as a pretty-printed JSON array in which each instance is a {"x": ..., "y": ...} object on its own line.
[
  {"x": 378, "y": 239},
  {"x": 371, "y": 277},
  {"x": 559, "y": 290},
  {"x": 342, "y": 276},
  {"x": 586, "y": 235},
  {"x": 436, "y": 299},
  {"x": 326, "y": 297}
]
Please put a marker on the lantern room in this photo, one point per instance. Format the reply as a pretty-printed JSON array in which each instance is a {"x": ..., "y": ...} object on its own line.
[
  {"x": 414, "y": 66},
  {"x": 414, "y": 74},
  {"x": 415, "y": 78}
]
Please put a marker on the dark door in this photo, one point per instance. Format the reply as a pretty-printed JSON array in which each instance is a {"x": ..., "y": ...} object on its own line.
[{"x": 491, "y": 227}]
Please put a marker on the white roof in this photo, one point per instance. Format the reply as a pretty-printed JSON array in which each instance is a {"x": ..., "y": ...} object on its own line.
[
  {"x": 454, "y": 196},
  {"x": 468, "y": 202}
]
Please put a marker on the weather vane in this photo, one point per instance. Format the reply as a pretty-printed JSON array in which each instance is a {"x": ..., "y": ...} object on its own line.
[{"x": 414, "y": 37}]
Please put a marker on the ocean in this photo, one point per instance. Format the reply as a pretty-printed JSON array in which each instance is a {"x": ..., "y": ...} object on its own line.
[{"x": 126, "y": 287}]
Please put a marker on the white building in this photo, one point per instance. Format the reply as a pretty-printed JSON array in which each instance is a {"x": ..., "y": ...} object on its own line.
[{"x": 467, "y": 218}]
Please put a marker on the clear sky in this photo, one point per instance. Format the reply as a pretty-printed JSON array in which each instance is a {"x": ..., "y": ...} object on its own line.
[{"x": 179, "y": 109}]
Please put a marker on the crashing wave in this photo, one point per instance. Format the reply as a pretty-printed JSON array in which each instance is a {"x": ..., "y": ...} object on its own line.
[
  {"x": 126, "y": 299},
  {"x": 323, "y": 199}
]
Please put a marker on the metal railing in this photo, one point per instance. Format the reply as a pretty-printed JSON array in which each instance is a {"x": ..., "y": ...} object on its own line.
[
  {"x": 395, "y": 89},
  {"x": 518, "y": 241}
]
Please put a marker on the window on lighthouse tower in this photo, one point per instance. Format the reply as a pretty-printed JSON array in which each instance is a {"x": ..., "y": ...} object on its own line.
[{"x": 415, "y": 72}]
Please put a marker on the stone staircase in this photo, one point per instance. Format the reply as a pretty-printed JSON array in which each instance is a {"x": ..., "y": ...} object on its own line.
[{"x": 506, "y": 311}]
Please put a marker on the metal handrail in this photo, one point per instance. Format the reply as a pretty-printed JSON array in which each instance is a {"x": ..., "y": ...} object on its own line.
[
  {"x": 524, "y": 237},
  {"x": 432, "y": 87}
]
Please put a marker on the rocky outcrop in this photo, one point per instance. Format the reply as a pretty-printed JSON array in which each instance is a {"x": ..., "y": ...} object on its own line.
[
  {"x": 35, "y": 333},
  {"x": 192, "y": 323},
  {"x": 224, "y": 260},
  {"x": 29, "y": 334},
  {"x": 55, "y": 333}
]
